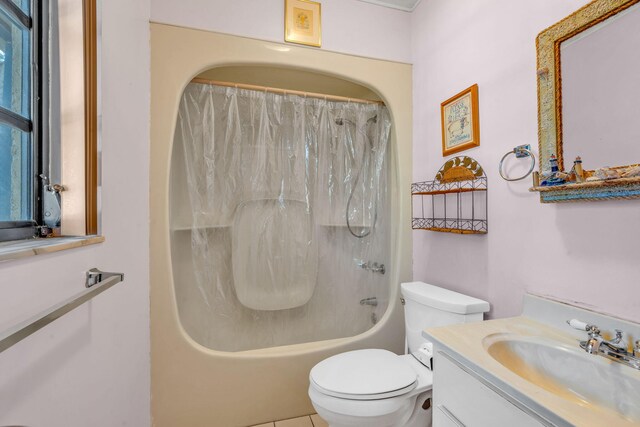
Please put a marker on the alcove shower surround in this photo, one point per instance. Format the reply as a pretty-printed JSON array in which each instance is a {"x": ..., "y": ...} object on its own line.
[{"x": 261, "y": 183}]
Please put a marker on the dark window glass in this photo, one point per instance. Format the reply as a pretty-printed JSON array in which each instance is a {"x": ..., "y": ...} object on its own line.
[
  {"x": 15, "y": 93},
  {"x": 17, "y": 155},
  {"x": 23, "y": 4},
  {"x": 15, "y": 175}
]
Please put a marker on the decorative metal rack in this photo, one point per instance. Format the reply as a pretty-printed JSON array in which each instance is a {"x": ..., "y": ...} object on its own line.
[{"x": 463, "y": 178}]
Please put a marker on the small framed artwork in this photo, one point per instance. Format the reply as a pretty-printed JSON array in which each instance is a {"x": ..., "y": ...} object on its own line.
[
  {"x": 460, "y": 124},
  {"x": 302, "y": 22}
]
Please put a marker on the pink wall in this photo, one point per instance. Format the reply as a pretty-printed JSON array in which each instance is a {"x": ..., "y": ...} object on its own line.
[
  {"x": 91, "y": 367},
  {"x": 586, "y": 253},
  {"x": 348, "y": 26}
]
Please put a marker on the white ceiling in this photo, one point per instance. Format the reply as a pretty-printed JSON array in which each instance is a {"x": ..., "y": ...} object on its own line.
[{"x": 407, "y": 5}]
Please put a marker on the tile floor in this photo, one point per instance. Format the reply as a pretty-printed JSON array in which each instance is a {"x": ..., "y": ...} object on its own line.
[{"x": 307, "y": 421}]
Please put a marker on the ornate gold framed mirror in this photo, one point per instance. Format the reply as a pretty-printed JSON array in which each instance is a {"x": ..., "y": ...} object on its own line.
[{"x": 589, "y": 103}]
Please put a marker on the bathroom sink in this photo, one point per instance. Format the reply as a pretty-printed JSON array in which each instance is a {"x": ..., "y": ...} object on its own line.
[{"x": 570, "y": 373}]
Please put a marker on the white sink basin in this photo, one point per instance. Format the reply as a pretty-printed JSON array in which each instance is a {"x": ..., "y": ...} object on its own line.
[{"x": 570, "y": 373}]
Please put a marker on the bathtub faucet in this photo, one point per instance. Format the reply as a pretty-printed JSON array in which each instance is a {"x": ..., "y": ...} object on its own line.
[
  {"x": 372, "y": 301},
  {"x": 373, "y": 267}
]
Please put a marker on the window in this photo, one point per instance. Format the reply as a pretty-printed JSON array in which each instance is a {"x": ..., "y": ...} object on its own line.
[
  {"x": 39, "y": 66},
  {"x": 19, "y": 144}
]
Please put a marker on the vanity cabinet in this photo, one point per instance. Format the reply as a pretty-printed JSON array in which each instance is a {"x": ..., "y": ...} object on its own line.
[{"x": 462, "y": 400}]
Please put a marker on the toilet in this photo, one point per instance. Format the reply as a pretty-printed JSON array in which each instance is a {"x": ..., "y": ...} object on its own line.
[{"x": 377, "y": 388}]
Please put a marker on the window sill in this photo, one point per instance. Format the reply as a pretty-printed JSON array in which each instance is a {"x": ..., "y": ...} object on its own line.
[{"x": 27, "y": 248}]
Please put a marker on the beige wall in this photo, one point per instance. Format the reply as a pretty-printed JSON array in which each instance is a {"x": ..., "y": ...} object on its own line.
[
  {"x": 195, "y": 386},
  {"x": 291, "y": 79}
]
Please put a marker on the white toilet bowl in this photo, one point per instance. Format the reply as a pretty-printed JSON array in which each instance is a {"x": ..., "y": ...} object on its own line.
[
  {"x": 374, "y": 388},
  {"x": 377, "y": 388}
]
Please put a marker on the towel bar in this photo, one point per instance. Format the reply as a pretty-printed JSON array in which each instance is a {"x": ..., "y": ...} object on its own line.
[{"x": 22, "y": 330}]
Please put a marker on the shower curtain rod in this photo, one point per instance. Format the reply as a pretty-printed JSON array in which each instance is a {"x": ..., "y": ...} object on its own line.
[{"x": 286, "y": 91}]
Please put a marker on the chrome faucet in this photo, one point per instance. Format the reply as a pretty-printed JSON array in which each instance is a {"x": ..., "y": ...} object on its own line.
[
  {"x": 614, "y": 349},
  {"x": 372, "y": 301}
]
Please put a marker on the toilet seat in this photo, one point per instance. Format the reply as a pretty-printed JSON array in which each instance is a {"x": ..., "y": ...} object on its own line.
[{"x": 370, "y": 374}]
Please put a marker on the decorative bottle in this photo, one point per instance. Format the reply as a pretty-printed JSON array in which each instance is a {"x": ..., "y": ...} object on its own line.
[{"x": 577, "y": 168}]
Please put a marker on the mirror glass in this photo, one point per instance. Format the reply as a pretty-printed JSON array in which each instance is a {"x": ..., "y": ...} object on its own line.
[{"x": 600, "y": 84}]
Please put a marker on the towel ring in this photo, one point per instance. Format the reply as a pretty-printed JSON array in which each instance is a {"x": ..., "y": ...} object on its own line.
[{"x": 520, "y": 151}]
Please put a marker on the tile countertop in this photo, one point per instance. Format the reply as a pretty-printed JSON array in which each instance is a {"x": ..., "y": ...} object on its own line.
[{"x": 465, "y": 343}]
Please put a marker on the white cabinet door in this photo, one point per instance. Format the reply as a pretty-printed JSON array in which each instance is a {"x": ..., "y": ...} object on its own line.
[
  {"x": 442, "y": 417},
  {"x": 460, "y": 400}
]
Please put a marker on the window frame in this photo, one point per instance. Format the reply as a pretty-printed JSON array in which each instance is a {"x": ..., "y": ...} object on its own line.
[
  {"x": 40, "y": 129},
  {"x": 24, "y": 229},
  {"x": 90, "y": 30}
]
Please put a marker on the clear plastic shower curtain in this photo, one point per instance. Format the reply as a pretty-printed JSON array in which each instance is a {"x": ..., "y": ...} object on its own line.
[{"x": 263, "y": 252}]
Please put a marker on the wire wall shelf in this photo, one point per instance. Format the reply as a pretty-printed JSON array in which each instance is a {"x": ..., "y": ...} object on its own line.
[
  {"x": 427, "y": 188},
  {"x": 454, "y": 202}
]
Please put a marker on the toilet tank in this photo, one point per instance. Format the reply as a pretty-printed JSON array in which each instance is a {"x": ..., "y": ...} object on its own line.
[{"x": 427, "y": 306}]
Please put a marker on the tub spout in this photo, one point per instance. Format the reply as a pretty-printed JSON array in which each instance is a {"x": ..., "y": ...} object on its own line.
[{"x": 372, "y": 301}]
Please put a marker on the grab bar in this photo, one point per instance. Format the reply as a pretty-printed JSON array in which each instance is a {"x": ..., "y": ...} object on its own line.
[{"x": 97, "y": 282}]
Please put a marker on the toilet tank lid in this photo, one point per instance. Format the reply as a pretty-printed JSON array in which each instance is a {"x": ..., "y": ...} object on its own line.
[{"x": 442, "y": 299}]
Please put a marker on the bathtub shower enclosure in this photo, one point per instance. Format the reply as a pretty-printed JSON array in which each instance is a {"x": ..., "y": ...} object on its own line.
[
  {"x": 278, "y": 213},
  {"x": 197, "y": 377}
]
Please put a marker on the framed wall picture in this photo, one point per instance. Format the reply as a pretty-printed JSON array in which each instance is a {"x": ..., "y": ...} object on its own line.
[
  {"x": 302, "y": 22},
  {"x": 460, "y": 122}
]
